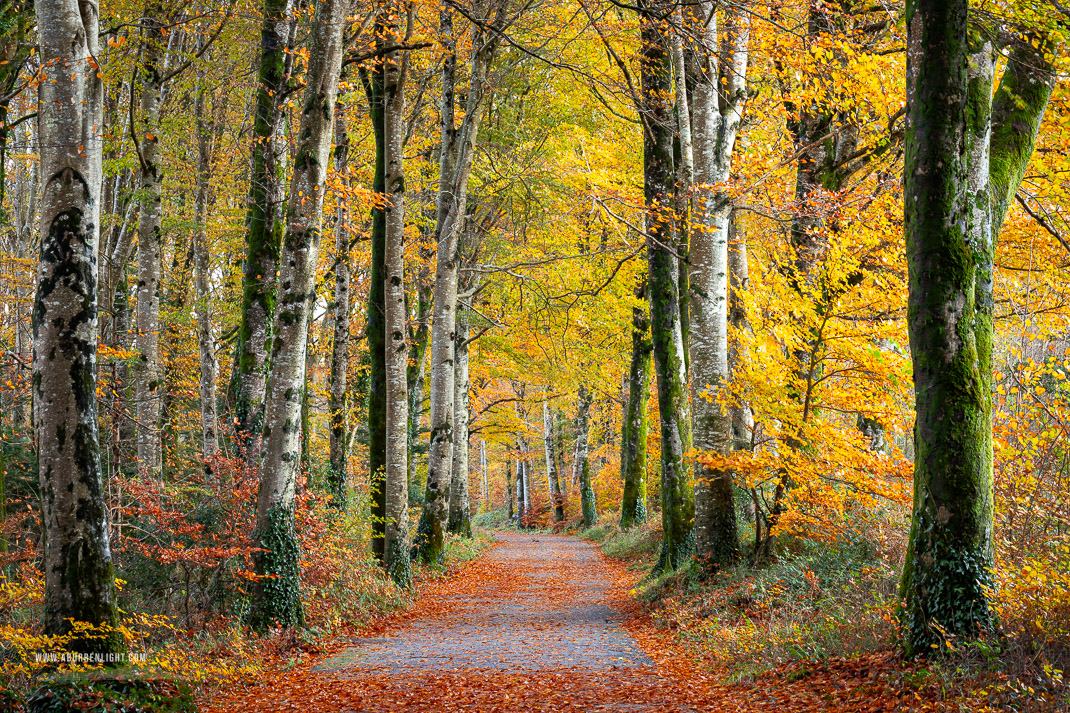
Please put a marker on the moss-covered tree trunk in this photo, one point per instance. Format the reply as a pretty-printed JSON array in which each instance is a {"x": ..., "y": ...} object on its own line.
[
  {"x": 677, "y": 492},
  {"x": 338, "y": 400},
  {"x": 635, "y": 425},
  {"x": 77, "y": 564},
  {"x": 276, "y": 597},
  {"x": 264, "y": 224},
  {"x": 964, "y": 159},
  {"x": 581, "y": 465},
  {"x": 374, "y": 324}
]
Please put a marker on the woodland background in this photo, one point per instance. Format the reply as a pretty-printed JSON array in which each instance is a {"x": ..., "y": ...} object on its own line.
[{"x": 553, "y": 316}]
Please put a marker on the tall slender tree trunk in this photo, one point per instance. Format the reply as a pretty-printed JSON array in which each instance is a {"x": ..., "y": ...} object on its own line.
[
  {"x": 510, "y": 515},
  {"x": 684, "y": 166},
  {"x": 276, "y": 599},
  {"x": 521, "y": 495},
  {"x": 209, "y": 366},
  {"x": 460, "y": 518},
  {"x": 374, "y": 324},
  {"x": 677, "y": 492},
  {"x": 396, "y": 482},
  {"x": 719, "y": 96},
  {"x": 635, "y": 425},
  {"x": 738, "y": 283},
  {"x": 458, "y": 152},
  {"x": 149, "y": 372},
  {"x": 77, "y": 564},
  {"x": 264, "y": 224},
  {"x": 582, "y": 465},
  {"x": 484, "y": 501},
  {"x": 553, "y": 481},
  {"x": 338, "y": 407},
  {"x": 966, "y": 153}
]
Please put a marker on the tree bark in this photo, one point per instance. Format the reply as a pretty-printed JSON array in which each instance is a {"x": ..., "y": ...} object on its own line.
[
  {"x": 77, "y": 564},
  {"x": 636, "y": 424},
  {"x": 209, "y": 367},
  {"x": 961, "y": 168},
  {"x": 458, "y": 152},
  {"x": 276, "y": 599},
  {"x": 460, "y": 519},
  {"x": 553, "y": 480},
  {"x": 396, "y": 482},
  {"x": 148, "y": 372},
  {"x": 719, "y": 98},
  {"x": 738, "y": 283},
  {"x": 582, "y": 465},
  {"x": 677, "y": 493},
  {"x": 264, "y": 224},
  {"x": 338, "y": 474}
]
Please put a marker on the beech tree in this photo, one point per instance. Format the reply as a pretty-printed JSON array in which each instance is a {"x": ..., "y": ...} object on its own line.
[
  {"x": 77, "y": 565},
  {"x": 966, "y": 153},
  {"x": 276, "y": 596}
]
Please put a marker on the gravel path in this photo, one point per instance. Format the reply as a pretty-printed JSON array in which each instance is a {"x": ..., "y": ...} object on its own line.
[{"x": 531, "y": 626}]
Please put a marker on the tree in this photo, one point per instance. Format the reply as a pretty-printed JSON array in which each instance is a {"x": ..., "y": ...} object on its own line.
[
  {"x": 455, "y": 168},
  {"x": 677, "y": 491},
  {"x": 635, "y": 425},
  {"x": 276, "y": 596},
  {"x": 966, "y": 153},
  {"x": 557, "y": 500},
  {"x": 396, "y": 556},
  {"x": 581, "y": 464},
  {"x": 339, "y": 397},
  {"x": 264, "y": 221},
  {"x": 718, "y": 101},
  {"x": 78, "y": 572}
]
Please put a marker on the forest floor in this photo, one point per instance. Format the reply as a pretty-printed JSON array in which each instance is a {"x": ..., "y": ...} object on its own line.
[{"x": 547, "y": 623}]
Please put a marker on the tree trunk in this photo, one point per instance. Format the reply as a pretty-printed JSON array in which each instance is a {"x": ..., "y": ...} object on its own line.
[
  {"x": 458, "y": 152},
  {"x": 460, "y": 518},
  {"x": 508, "y": 493},
  {"x": 521, "y": 496},
  {"x": 636, "y": 425},
  {"x": 719, "y": 96},
  {"x": 417, "y": 368},
  {"x": 338, "y": 473},
  {"x": 738, "y": 283},
  {"x": 553, "y": 481},
  {"x": 374, "y": 325},
  {"x": 276, "y": 600},
  {"x": 209, "y": 366},
  {"x": 677, "y": 493},
  {"x": 148, "y": 373},
  {"x": 964, "y": 160},
  {"x": 581, "y": 465},
  {"x": 264, "y": 224},
  {"x": 77, "y": 564},
  {"x": 484, "y": 503},
  {"x": 684, "y": 165},
  {"x": 397, "y": 546}
]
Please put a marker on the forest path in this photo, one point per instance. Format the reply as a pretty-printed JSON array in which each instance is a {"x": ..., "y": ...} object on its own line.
[{"x": 538, "y": 623}]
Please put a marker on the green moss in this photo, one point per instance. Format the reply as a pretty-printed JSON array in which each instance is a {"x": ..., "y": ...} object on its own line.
[{"x": 129, "y": 692}]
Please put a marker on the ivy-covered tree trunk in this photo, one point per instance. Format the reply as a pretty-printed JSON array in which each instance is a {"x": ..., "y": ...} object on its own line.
[
  {"x": 677, "y": 492},
  {"x": 148, "y": 371},
  {"x": 209, "y": 366},
  {"x": 264, "y": 224},
  {"x": 553, "y": 480},
  {"x": 396, "y": 481},
  {"x": 338, "y": 401},
  {"x": 582, "y": 465},
  {"x": 458, "y": 152},
  {"x": 635, "y": 425},
  {"x": 719, "y": 98},
  {"x": 276, "y": 598},
  {"x": 965, "y": 158},
  {"x": 460, "y": 517},
  {"x": 77, "y": 563}
]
